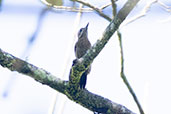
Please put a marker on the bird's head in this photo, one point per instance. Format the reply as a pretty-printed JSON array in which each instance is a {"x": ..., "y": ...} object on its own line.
[{"x": 83, "y": 32}]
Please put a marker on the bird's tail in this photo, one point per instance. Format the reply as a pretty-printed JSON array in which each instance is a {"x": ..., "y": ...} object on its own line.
[{"x": 83, "y": 79}]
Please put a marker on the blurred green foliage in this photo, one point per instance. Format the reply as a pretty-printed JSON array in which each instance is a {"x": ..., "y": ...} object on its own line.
[{"x": 55, "y": 2}]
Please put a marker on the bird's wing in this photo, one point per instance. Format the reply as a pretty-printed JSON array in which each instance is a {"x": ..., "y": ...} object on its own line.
[{"x": 75, "y": 49}]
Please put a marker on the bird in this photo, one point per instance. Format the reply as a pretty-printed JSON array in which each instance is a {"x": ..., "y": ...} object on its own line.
[{"x": 81, "y": 47}]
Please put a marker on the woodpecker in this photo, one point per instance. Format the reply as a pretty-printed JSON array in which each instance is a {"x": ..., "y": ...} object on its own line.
[{"x": 81, "y": 47}]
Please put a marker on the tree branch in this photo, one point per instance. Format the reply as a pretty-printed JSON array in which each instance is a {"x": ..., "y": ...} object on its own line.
[
  {"x": 114, "y": 7},
  {"x": 87, "y": 99},
  {"x": 142, "y": 14},
  {"x": 15, "y": 64},
  {"x": 66, "y": 8},
  {"x": 94, "y": 8},
  {"x": 167, "y": 8},
  {"x": 124, "y": 77},
  {"x": 105, "y": 6},
  {"x": 71, "y": 89}
]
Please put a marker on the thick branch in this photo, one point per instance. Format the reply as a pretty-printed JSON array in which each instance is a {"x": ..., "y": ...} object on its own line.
[
  {"x": 87, "y": 99},
  {"x": 15, "y": 64},
  {"x": 100, "y": 104}
]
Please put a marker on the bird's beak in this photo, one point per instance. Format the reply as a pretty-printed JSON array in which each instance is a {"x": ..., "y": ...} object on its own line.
[{"x": 87, "y": 26}]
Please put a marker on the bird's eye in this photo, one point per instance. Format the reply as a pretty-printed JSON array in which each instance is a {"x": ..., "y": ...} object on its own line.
[
  {"x": 80, "y": 33},
  {"x": 81, "y": 30}
]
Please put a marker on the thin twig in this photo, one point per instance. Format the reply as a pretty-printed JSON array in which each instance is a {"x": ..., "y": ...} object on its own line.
[
  {"x": 74, "y": 9},
  {"x": 113, "y": 7},
  {"x": 124, "y": 77},
  {"x": 143, "y": 13},
  {"x": 105, "y": 6},
  {"x": 52, "y": 106},
  {"x": 167, "y": 8},
  {"x": 66, "y": 8},
  {"x": 94, "y": 8}
]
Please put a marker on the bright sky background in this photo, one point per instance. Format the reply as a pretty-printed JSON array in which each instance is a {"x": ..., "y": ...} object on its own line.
[{"x": 146, "y": 43}]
